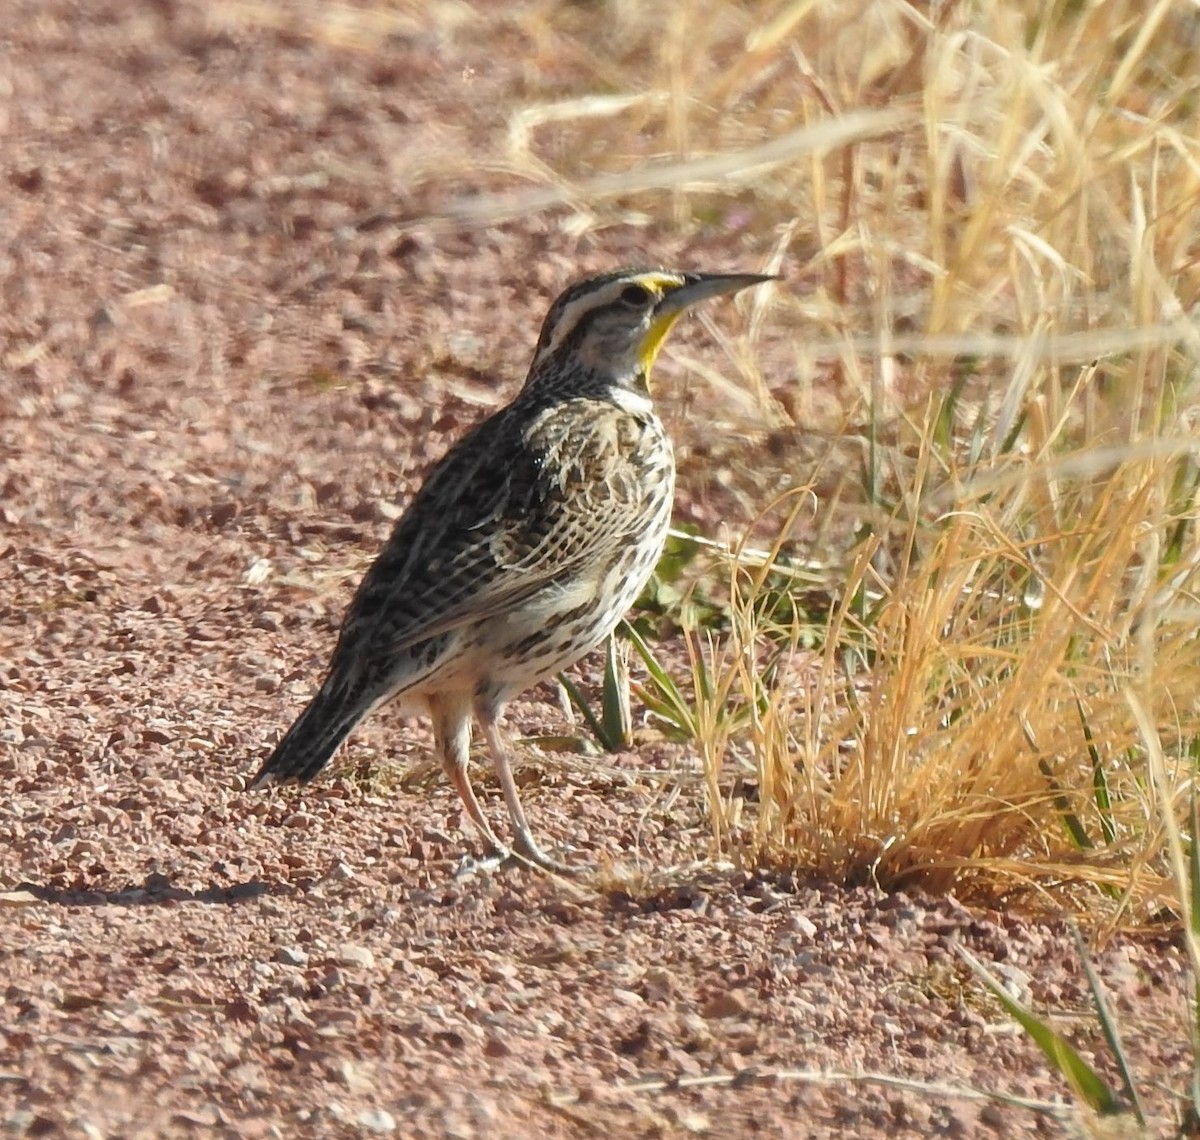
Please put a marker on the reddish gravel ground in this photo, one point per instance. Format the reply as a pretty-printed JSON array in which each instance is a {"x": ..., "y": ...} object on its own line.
[{"x": 216, "y": 388}]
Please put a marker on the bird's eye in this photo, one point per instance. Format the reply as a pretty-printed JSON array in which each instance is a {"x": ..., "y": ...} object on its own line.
[{"x": 635, "y": 296}]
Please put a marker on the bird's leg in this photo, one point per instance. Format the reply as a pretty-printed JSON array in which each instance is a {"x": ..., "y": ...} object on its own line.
[
  {"x": 525, "y": 845},
  {"x": 452, "y": 732}
]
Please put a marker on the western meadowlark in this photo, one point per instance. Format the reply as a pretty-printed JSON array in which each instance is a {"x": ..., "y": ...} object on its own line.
[{"x": 525, "y": 545}]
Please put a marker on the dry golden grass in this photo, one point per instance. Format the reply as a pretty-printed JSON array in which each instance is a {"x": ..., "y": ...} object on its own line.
[{"x": 1029, "y": 586}]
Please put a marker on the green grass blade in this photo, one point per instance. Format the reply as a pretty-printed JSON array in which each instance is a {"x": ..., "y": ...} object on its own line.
[
  {"x": 1086, "y": 1083},
  {"x": 581, "y": 703},
  {"x": 671, "y": 704},
  {"x": 1062, "y": 804},
  {"x": 614, "y": 700},
  {"x": 1009, "y": 443},
  {"x": 1100, "y": 792},
  {"x": 1108, "y": 1024}
]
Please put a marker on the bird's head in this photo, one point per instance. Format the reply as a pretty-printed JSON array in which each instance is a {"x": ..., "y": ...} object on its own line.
[{"x": 610, "y": 328}]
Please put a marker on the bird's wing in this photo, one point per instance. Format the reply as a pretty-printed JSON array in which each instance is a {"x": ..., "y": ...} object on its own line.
[{"x": 515, "y": 506}]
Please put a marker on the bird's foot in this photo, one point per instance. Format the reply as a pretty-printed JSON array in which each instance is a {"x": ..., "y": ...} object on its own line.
[{"x": 528, "y": 854}]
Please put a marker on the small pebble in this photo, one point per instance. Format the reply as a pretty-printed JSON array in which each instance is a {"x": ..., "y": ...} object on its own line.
[
  {"x": 803, "y": 925},
  {"x": 349, "y": 954},
  {"x": 377, "y": 1120},
  {"x": 725, "y": 1005},
  {"x": 659, "y": 983}
]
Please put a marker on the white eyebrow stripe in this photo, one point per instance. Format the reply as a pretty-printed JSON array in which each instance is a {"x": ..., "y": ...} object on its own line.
[{"x": 570, "y": 317}]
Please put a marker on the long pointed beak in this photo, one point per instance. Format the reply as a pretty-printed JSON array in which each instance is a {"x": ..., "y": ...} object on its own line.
[{"x": 702, "y": 286}]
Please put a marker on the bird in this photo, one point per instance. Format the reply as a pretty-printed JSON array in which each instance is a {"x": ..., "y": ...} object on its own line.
[{"x": 522, "y": 549}]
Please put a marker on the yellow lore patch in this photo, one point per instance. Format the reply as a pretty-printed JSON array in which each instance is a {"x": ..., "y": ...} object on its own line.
[
  {"x": 654, "y": 338},
  {"x": 658, "y": 284}
]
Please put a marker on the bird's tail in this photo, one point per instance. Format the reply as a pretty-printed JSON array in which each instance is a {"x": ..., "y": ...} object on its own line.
[{"x": 309, "y": 744}]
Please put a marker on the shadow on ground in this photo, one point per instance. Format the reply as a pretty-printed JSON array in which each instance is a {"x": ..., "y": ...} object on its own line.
[{"x": 155, "y": 890}]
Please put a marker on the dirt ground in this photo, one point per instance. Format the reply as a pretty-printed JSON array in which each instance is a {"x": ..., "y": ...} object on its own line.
[{"x": 219, "y": 380}]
